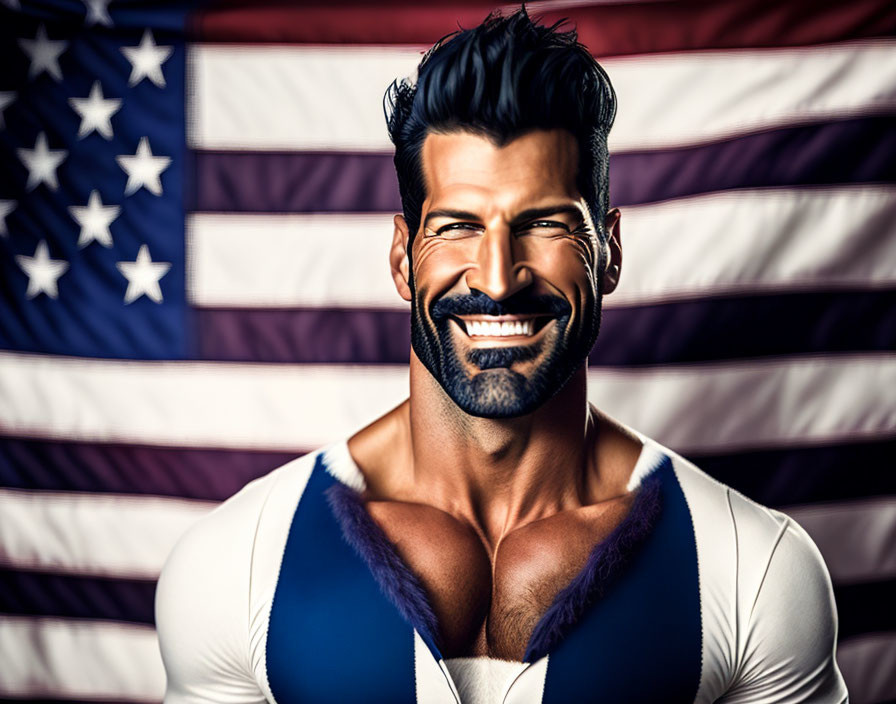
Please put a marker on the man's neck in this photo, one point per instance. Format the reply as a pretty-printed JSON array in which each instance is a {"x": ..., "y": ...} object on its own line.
[{"x": 495, "y": 474}]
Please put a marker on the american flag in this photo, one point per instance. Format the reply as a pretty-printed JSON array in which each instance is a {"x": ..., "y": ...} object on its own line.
[{"x": 195, "y": 214}]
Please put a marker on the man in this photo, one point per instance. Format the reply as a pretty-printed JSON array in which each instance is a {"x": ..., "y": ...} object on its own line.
[{"x": 495, "y": 538}]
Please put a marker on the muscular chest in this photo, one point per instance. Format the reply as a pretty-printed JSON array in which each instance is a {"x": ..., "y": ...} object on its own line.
[{"x": 489, "y": 602}]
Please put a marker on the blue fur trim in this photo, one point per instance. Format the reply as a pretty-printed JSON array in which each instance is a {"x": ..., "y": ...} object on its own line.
[
  {"x": 396, "y": 580},
  {"x": 605, "y": 563}
]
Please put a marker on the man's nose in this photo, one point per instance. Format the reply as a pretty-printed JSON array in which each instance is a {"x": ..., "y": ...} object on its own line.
[{"x": 498, "y": 273}]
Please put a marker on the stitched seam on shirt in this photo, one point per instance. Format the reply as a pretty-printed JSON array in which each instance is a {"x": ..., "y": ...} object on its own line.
[
  {"x": 738, "y": 655},
  {"x": 783, "y": 529}
]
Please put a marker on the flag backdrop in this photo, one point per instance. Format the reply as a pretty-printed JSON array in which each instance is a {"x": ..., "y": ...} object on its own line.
[{"x": 195, "y": 214}]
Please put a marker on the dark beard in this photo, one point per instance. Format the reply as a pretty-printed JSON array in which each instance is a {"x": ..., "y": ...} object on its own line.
[{"x": 500, "y": 392}]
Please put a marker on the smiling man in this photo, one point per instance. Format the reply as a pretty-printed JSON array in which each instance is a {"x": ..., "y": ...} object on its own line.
[{"x": 496, "y": 538}]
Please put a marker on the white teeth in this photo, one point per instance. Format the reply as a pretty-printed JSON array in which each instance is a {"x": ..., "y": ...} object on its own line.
[{"x": 498, "y": 329}]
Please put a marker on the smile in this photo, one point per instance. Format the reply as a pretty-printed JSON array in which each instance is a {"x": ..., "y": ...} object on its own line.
[{"x": 501, "y": 325}]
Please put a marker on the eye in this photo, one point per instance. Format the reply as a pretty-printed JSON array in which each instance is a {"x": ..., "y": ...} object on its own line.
[
  {"x": 545, "y": 228},
  {"x": 459, "y": 230}
]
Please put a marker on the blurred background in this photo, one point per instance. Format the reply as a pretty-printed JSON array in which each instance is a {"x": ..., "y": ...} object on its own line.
[{"x": 195, "y": 214}]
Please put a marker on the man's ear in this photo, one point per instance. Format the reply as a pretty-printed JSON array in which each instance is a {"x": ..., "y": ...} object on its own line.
[
  {"x": 398, "y": 258},
  {"x": 614, "y": 243}
]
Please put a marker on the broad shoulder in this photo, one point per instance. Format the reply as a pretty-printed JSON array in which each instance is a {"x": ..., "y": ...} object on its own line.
[
  {"x": 234, "y": 522},
  {"x": 735, "y": 536},
  {"x": 720, "y": 504},
  {"x": 215, "y": 583},
  {"x": 766, "y": 550}
]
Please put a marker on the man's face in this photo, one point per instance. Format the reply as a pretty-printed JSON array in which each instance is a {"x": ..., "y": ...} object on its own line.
[{"x": 507, "y": 266}]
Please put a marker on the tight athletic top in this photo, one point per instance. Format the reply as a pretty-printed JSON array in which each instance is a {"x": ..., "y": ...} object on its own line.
[{"x": 289, "y": 593}]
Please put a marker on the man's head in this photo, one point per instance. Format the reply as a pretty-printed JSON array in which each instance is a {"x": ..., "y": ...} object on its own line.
[{"x": 501, "y": 154}]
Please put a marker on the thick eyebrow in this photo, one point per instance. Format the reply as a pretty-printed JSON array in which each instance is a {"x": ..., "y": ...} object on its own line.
[
  {"x": 523, "y": 217},
  {"x": 448, "y": 213},
  {"x": 538, "y": 213}
]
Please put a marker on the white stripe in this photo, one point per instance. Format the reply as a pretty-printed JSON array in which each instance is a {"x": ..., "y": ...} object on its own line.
[
  {"x": 79, "y": 660},
  {"x": 325, "y": 97},
  {"x": 729, "y": 407},
  {"x": 868, "y": 664},
  {"x": 707, "y": 407},
  {"x": 685, "y": 98},
  {"x": 202, "y": 404},
  {"x": 293, "y": 97},
  {"x": 856, "y": 538},
  {"x": 755, "y": 241},
  {"x": 92, "y": 534},
  {"x": 736, "y": 242},
  {"x": 294, "y": 260}
]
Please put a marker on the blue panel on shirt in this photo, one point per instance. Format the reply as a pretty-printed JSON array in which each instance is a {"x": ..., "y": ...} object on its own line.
[
  {"x": 642, "y": 641},
  {"x": 333, "y": 635}
]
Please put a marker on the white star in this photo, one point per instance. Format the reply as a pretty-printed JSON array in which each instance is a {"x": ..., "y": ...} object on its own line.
[
  {"x": 143, "y": 169},
  {"x": 143, "y": 276},
  {"x": 97, "y": 13},
  {"x": 95, "y": 111},
  {"x": 94, "y": 219},
  {"x": 6, "y": 207},
  {"x": 6, "y": 97},
  {"x": 44, "y": 53},
  {"x": 42, "y": 163},
  {"x": 146, "y": 60},
  {"x": 42, "y": 271}
]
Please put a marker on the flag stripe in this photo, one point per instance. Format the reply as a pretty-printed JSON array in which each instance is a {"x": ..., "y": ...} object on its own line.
[
  {"x": 865, "y": 607},
  {"x": 760, "y": 240},
  {"x": 869, "y": 667},
  {"x": 80, "y": 660},
  {"x": 190, "y": 473},
  {"x": 238, "y": 406},
  {"x": 779, "y": 477},
  {"x": 276, "y": 85},
  {"x": 860, "y": 150},
  {"x": 294, "y": 182},
  {"x": 669, "y": 333},
  {"x": 799, "y": 475},
  {"x": 105, "y": 534},
  {"x": 92, "y": 660},
  {"x": 290, "y": 407},
  {"x": 39, "y": 594},
  {"x": 321, "y": 97},
  {"x": 607, "y": 29},
  {"x": 296, "y": 260},
  {"x": 89, "y": 660},
  {"x": 861, "y": 607},
  {"x": 855, "y": 537},
  {"x": 72, "y": 589}
]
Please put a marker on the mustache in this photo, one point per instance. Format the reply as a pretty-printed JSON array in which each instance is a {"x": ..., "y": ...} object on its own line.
[{"x": 478, "y": 303}]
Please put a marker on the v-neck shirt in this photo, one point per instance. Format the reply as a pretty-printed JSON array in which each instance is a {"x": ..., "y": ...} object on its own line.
[{"x": 271, "y": 598}]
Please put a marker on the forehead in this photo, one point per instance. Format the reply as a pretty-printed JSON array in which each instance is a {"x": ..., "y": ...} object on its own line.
[{"x": 462, "y": 166}]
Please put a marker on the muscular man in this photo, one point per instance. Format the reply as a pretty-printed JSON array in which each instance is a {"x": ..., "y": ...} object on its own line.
[{"x": 495, "y": 538}]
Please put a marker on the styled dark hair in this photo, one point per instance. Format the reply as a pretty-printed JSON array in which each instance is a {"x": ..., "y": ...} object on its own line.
[{"x": 503, "y": 78}]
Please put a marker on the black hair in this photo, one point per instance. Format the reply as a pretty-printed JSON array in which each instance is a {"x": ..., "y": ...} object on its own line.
[{"x": 501, "y": 79}]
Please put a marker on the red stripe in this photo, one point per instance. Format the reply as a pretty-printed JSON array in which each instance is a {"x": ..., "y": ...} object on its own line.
[
  {"x": 607, "y": 30},
  {"x": 680, "y": 332},
  {"x": 860, "y": 150}
]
